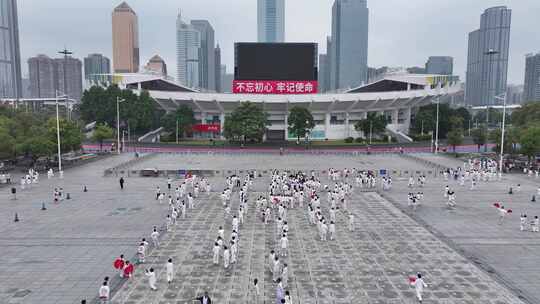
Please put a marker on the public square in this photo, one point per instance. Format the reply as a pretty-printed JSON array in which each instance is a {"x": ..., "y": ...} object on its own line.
[{"x": 62, "y": 254}]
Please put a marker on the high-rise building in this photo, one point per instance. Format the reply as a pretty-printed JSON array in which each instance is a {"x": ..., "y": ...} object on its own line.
[
  {"x": 68, "y": 75},
  {"x": 207, "y": 61},
  {"x": 440, "y": 65},
  {"x": 514, "y": 94},
  {"x": 487, "y": 59},
  {"x": 48, "y": 75},
  {"x": 41, "y": 70},
  {"x": 349, "y": 46},
  {"x": 217, "y": 70},
  {"x": 96, "y": 64},
  {"x": 271, "y": 20},
  {"x": 415, "y": 70},
  {"x": 531, "y": 91},
  {"x": 323, "y": 67},
  {"x": 188, "y": 44},
  {"x": 10, "y": 55},
  {"x": 226, "y": 80},
  {"x": 125, "y": 33},
  {"x": 156, "y": 65}
]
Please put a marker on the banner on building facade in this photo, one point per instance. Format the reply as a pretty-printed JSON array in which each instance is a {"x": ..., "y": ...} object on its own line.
[
  {"x": 274, "y": 86},
  {"x": 207, "y": 128}
]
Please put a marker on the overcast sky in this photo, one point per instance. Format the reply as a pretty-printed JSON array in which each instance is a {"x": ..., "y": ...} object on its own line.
[{"x": 402, "y": 32}]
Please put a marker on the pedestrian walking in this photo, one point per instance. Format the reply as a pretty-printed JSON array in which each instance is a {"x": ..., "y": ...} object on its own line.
[
  {"x": 419, "y": 286},
  {"x": 170, "y": 270},
  {"x": 151, "y": 278},
  {"x": 119, "y": 265},
  {"x": 104, "y": 293},
  {"x": 128, "y": 270}
]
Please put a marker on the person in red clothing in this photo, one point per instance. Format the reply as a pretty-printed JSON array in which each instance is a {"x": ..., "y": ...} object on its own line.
[
  {"x": 119, "y": 265},
  {"x": 128, "y": 270}
]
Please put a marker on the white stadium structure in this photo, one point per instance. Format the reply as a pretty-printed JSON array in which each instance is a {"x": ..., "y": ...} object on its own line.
[{"x": 396, "y": 96}]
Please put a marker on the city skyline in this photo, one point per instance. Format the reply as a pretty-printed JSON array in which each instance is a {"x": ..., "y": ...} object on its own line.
[{"x": 307, "y": 22}]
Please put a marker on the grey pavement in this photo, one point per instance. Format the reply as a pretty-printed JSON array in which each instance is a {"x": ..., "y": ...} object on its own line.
[
  {"x": 507, "y": 253},
  {"x": 61, "y": 255},
  {"x": 370, "y": 265}
]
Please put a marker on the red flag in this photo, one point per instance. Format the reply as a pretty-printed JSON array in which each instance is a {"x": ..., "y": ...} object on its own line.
[
  {"x": 128, "y": 271},
  {"x": 412, "y": 280},
  {"x": 497, "y": 205},
  {"x": 118, "y": 263}
]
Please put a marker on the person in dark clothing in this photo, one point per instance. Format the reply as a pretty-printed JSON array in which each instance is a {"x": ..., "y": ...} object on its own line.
[
  {"x": 122, "y": 183},
  {"x": 204, "y": 299}
]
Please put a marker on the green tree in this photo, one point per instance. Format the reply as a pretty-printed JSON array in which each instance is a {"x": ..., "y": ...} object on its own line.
[
  {"x": 530, "y": 142},
  {"x": 427, "y": 115},
  {"x": 374, "y": 123},
  {"x": 456, "y": 122},
  {"x": 455, "y": 137},
  {"x": 7, "y": 145},
  {"x": 140, "y": 112},
  {"x": 185, "y": 117},
  {"x": 246, "y": 122},
  {"x": 479, "y": 137},
  {"x": 465, "y": 116},
  {"x": 36, "y": 146},
  {"x": 300, "y": 121},
  {"x": 102, "y": 132},
  {"x": 511, "y": 139},
  {"x": 528, "y": 114},
  {"x": 495, "y": 116},
  {"x": 96, "y": 105},
  {"x": 70, "y": 134}
]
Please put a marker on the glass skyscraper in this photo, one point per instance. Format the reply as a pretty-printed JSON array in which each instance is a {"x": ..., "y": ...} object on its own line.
[
  {"x": 10, "y": 58},
  {"x": 188, "y": 45},
  {"x": 531, "y": 91},
  {"x": 207, "y": 60},
  {"x": 96, "y": 64},
  {"x": 349, "y": 47},
  {"x": 440, "y": 65},
  {"x": 487, "y": 59},
  {"x": 271, "y": 20}
]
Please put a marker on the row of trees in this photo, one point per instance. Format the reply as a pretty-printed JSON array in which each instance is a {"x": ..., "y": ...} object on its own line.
[
  {"x": 139, "y": 113},
  {"x": 522, "y": 133},
  {"x": 425, "y": 120},
  {"x": 249, "y": 122},
  {"x": 34, "y": 134}
]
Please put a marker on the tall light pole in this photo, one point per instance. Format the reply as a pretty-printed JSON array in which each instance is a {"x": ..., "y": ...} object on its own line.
[
  {"x": 66, "y": 53},
  {"x": 58, "y": 135},
  {"x": 370, "y": 130},
  {"x": 437, "y": 127},
  {"x": 118, "y": 101},
  {"x": 490, "y": 53},
  {"x": 503, "y": 98},
  {"x": 176, "y": 130}
]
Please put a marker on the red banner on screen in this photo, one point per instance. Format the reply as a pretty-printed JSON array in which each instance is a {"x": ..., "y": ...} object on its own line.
[
  {"x": 207, "y": 128},
  {"x": 274, "y": 87}
]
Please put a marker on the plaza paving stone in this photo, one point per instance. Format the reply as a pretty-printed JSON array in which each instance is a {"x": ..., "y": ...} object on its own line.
[{"x": 61, "y": 255}]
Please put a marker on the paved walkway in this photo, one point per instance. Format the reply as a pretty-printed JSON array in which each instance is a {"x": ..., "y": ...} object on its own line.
[
  {"x": 62, "y": 254},
  {"x": 369, "y": 265},
  {"x": 503, "y": 250}
]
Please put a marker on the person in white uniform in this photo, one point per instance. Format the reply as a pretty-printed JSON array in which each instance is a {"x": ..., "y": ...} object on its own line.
[
  {"x": 170, "y": 271},
  {"x": 419, "y": 286},
  {"x": 151, "y": 278}
]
